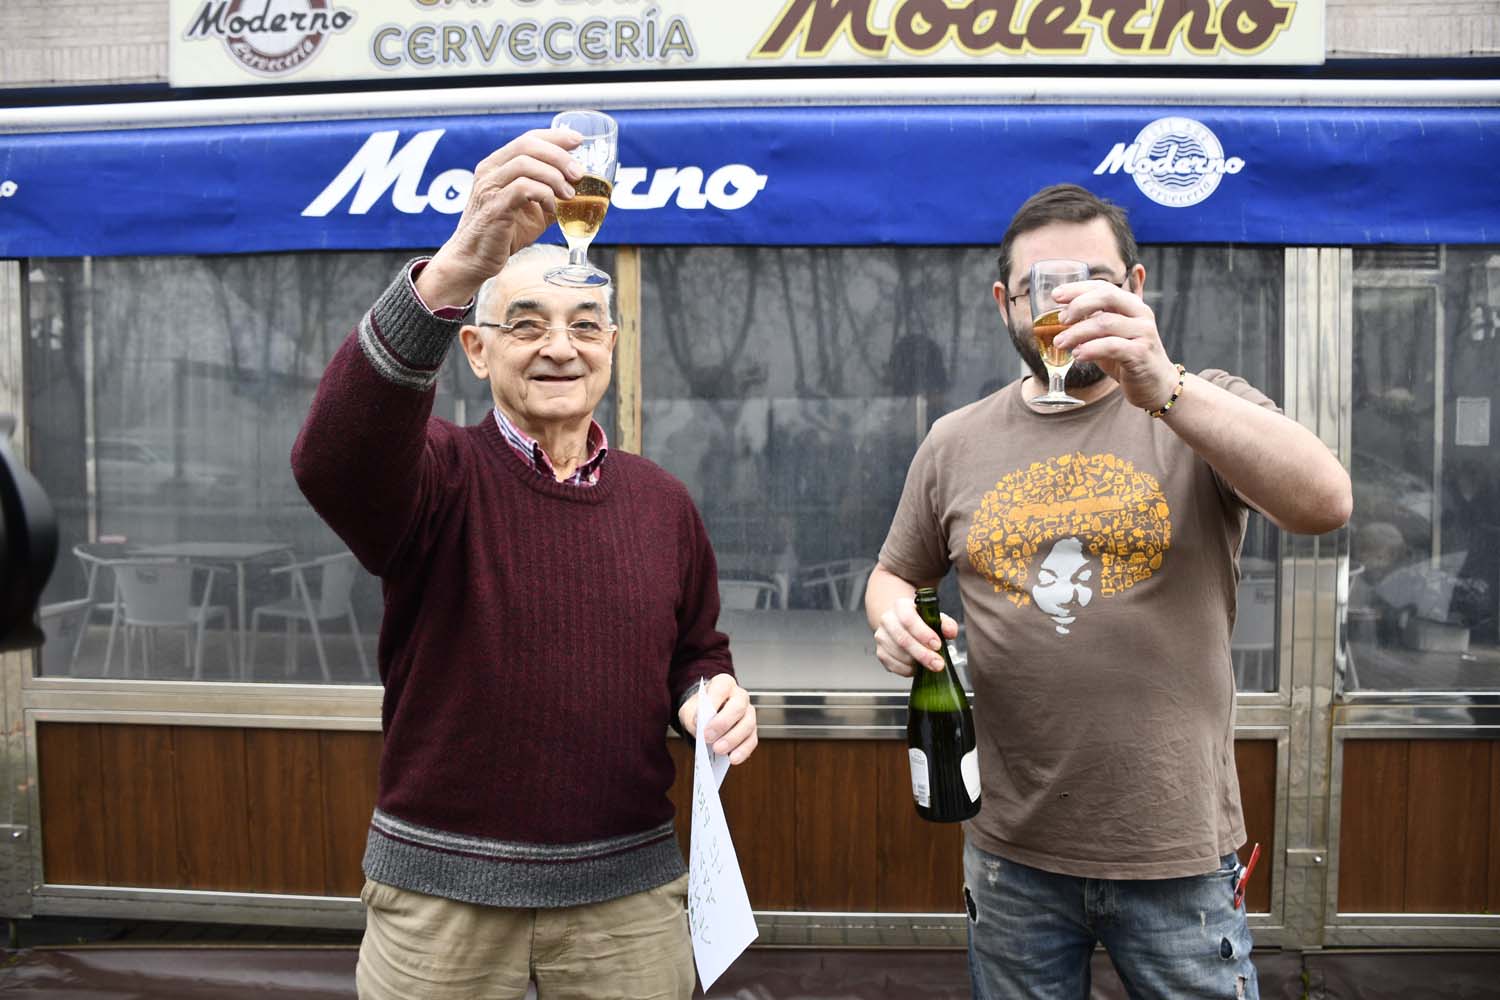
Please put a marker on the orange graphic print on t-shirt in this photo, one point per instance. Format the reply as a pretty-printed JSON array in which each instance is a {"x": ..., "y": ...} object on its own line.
[{"x": 1061, "y": 531}]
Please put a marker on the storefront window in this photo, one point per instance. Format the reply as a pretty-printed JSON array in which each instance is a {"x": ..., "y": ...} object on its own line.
[
  {"x": 163, "y": 396},
  {"x": 789, "y": 388},
  {"x": 1424, "y": 576}
]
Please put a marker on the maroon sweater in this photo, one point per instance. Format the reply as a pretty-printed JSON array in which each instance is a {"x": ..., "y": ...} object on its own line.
[{"x": 537, "y": 637}]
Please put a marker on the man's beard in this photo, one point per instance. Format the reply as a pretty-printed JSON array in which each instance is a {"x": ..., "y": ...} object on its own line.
[{"x": 1080, "y": 376}]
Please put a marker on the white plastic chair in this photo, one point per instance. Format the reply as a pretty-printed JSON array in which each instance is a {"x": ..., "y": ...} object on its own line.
[
  {"x": 94, "y": 558},
  {"x": 334, "y": 601},
  {"x": 845, "y": 580},
  {"x": 737, "y": 594},
  {"x": 156, "y": 594}
]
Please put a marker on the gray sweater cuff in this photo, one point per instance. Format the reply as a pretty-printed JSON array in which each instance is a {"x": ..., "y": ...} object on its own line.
[{"x": 405, "y": 342}]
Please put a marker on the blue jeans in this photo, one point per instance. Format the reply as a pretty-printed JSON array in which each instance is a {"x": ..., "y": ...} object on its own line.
[{"x": 1031, "y": 933}]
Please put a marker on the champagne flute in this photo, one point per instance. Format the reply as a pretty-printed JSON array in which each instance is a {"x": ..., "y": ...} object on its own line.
[
  {"x": 581, "y": 216},
  {"x": 1046, "y": 324}
]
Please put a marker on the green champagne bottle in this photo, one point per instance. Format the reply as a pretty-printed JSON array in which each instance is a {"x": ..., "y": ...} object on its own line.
[{"x": 940, "y": 735}]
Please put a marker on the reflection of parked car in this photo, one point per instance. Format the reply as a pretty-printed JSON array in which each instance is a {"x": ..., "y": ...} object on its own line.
[
  {"x": 130, "y": 470},
  {"x": 1385, "y": 492},
  {"x": 1398, "y": 588}
]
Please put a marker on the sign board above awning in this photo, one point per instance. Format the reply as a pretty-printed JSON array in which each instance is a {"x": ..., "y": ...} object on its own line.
[
  {"x": 774, "y": 176},
  {"x": 240, "y": 42}
]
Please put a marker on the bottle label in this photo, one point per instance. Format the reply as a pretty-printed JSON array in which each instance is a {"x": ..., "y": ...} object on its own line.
[
  {"x": 969, "y": 768},
  {"x": 919, "y": 783}
]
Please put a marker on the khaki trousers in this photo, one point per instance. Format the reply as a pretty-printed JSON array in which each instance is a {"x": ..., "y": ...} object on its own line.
[{"x": 420, "y": 947}]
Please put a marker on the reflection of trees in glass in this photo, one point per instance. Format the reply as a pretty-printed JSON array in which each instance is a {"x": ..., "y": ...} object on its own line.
[
  {"x": 706, "y": 319},
  {"x": 287, "y": 314},
  {"x": 871, "y": 321},
  {"x": 838, "y": 342},
  {"x": 1219, "y": 307}
]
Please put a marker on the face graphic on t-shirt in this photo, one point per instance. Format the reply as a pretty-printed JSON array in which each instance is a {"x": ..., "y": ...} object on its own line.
[
  {"x": 1063, "y": 532},
  {"x": 1062, "y": 583}
]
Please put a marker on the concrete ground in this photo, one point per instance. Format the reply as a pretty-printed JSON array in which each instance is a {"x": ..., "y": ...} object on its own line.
[{"x": 112, "y": 960}]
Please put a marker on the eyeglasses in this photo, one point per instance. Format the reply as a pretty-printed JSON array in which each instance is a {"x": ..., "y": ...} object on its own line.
[
  {"x": 1026, "y": 294},
  {"x": 528, "y": 330}
]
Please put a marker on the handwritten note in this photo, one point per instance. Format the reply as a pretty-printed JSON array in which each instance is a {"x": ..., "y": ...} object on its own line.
[{"x": 719, "y": 914}]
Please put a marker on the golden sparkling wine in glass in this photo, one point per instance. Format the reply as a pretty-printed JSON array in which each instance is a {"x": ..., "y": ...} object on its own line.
[
  {"x": 1047, "y": 323},
  {"x": 1046, "y": 328},
  {"x": 581, "y": 216}
]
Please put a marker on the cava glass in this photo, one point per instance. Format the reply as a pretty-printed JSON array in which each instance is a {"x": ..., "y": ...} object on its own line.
[
  {"x": 1046, "y": 324},
  {"x": 581, "y": 216}
]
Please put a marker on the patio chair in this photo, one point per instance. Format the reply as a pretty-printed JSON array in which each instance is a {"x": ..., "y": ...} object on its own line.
[
  {"x": 156, "y": 594},
  {"x": 739, "y": 594},
  {"x": 844, "y": 580},
  {"x": 334, "y": 601},
  {"x": 95, "y": 558}
]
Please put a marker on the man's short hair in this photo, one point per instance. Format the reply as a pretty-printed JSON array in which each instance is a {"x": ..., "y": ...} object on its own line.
[
  {"x": 1067, "y": 203},
  {"x": 535, "y": 252}
]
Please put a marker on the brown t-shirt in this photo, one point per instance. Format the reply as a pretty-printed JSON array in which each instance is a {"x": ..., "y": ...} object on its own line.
[{"x": 1097, "y": 559}]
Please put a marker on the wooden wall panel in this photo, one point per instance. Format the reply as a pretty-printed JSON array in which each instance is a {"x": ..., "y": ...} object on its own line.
[
  {"x": 137, "y": 766},
  {"x": 1256, "y": 762},
  {"x": 759, "y": 809},
  {"x": 835, "y": 795},
  {"x": 757, "y": 803},
  {"x": 1372, "y": 827},
  {"x": 823, "y": 825},
  {"x": 919, "y": 865},
  {"x": 1493, "y": 893},
  {"x": 212, "y": 809},
  {"x": 286, "y": 810},
  {"x": 350, "y": 765},
  {"x": 72, "y": 804},
  {"x": 1447, "y": 834}
]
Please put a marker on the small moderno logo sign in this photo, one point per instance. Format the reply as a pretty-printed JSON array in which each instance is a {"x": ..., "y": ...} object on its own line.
[
  {"x": 270, "y": 37},
  {"x": 1175, "y": 161}
]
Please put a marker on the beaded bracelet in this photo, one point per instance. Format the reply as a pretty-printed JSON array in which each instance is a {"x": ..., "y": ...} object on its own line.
[{"x": 1162, "y": 412}]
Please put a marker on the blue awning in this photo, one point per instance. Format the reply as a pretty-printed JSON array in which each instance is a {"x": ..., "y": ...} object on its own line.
[{"x": 775, "y": 176}]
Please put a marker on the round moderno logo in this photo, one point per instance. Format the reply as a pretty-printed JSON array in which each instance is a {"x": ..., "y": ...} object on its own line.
[
  {"x": 270, "y": 37},
  {"x": 1180, "y": 162}
]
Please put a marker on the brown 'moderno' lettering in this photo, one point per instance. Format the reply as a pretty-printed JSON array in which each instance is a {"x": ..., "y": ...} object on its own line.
[{"x": 1016, "y": 27}]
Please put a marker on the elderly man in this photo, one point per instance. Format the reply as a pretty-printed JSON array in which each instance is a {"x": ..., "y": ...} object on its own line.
[
  {"x": 550, "y": 607},
  {"x": 1096, "y": 552}
]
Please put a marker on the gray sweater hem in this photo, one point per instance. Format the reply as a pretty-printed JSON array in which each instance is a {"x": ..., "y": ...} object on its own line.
[{"x": 565, "y": 880}]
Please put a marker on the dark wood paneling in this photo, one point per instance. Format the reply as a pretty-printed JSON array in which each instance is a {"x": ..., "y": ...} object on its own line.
[
  {"x": 72, "y": 804},
  {"x": 211, "y": 804},
  {"x": 759, "y": 813},
  {"x": 1493, "y": 905},
  {"x": 1372, "y": 827},
  {"x": 756, "y": 804},
  {"x": 138, "y": 771},
  {"x": 286, "y": 810},
  {"x": 919, "y": 865},
  {"x": 350, "y": 767},
  {"x": 834, "y": 802},
  {"x": 1447, "y": 835},
  {"x": 1256, "y": 762},
  {"x": 819, "y": 824}
]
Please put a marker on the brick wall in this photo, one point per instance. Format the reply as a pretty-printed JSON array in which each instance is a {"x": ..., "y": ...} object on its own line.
[
  {"x": 1360, "y": 29},
  {"x": 46, "y": 43}
]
